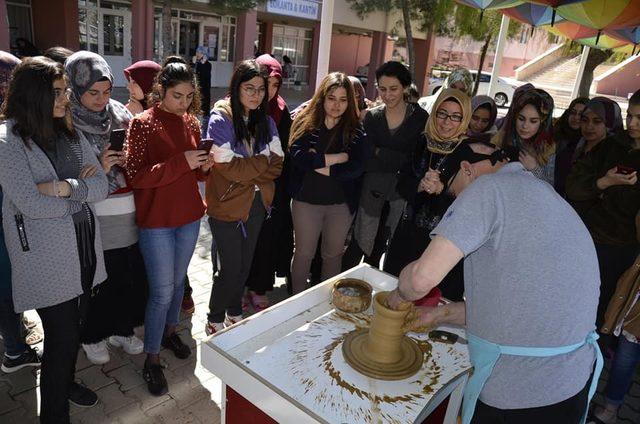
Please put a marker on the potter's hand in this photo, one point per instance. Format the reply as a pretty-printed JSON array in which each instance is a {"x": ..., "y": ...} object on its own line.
[
  {"x": 396, "y": 302},
  {"x": 423, "y": 319}
]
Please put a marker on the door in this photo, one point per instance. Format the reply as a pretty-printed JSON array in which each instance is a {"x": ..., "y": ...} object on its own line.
[
  {"x": 189, "y": 37},
  {"x": 114, "y": 41}
]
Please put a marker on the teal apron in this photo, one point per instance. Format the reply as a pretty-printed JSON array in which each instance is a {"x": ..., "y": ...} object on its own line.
[{"x": 484, "y": 355}]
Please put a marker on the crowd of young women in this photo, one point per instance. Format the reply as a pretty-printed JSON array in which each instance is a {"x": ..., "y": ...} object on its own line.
[{"x": 100, "y": 226}]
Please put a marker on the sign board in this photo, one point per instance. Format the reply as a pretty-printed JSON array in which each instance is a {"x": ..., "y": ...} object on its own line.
[{"x": 307, "y": 9}]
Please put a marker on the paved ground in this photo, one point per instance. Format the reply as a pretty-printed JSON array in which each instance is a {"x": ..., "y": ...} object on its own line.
[{"x": 194, "y": 393}]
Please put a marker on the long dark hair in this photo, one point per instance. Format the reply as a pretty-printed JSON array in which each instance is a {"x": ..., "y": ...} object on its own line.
[
  {"x": 257, "y": 126},
  {"x": 312, "y": 117},
  {"x": 30, "y": 100},
  {"x": 172, "y": 74}
]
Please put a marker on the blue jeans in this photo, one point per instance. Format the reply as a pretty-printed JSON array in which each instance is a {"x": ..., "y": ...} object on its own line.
[
  {"x": 166, "y": 253},
  {"x": 622, "y": 370}
]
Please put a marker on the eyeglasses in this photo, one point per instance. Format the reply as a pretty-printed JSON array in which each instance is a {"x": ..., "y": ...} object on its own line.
[
  {"x": 58, "y": 93},
  {"x": 441, "y": 114},
  {"x": 252, "y": 91}
]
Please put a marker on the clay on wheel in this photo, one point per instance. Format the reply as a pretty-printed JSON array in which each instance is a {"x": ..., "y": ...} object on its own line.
[{"x": 383, "y": 351}]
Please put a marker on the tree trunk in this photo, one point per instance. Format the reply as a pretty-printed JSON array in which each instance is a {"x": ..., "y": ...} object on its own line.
[
  {"x": 483, "y": 55},
  {"x": 406, "y": 17},
  {"x": 596, "y": 57},
  {"x": 167, "y": 34}
]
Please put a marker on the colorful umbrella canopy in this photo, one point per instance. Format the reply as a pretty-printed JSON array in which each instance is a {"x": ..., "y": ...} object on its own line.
[
  {"x": 630, "y": 35},
  {"x": 530, "y": 13},
  {"x": 603, "y": 14},
  {"x": 603, "y": 42},
  {"x": 490, "y": 4},
  {"x": 554, "y": 4},
  {"x": 572, "y": 30}
]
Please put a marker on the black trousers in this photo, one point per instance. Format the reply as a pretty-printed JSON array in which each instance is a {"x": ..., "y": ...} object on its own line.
[
  {"x": 613, "y": 262},
  {"x": 235, "y": 254},
  {"x": 407, "y": 245},
  {"x": 569, "y": 411},
  {"x": 61, "y": 324},
  {"x": 118, "y": 304},
  {"x": 353, "y": 255}
]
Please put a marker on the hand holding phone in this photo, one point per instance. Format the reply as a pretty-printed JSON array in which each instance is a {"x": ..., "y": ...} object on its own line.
[
  {"x": 625, "y": 170},
  {"x": 205, "y": 144},
  {"x": 116, "y": 139}
]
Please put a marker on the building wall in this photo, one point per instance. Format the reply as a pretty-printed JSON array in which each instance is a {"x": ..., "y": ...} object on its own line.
[
  {"x": 55, "y": 23},
  {"x": 623, "y": 82},
  {"x": 465, "y": 52},
  {"x": 348, "y": 52}
]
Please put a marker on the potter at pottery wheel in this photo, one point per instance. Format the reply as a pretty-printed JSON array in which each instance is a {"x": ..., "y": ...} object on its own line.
[{"x": 383, "y": 351}]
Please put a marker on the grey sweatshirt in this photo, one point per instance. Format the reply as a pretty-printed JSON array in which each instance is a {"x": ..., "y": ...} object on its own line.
[{"x": 38, "y": 229}]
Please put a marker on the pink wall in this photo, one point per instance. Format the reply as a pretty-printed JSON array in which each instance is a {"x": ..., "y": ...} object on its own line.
[
  {"x": 626, "y": 80},
  {"x": 246, "y": 34},
  {"x": 466, "y": 52},
  {"x": 348, "y": 52},
  {"x": 55, "y": 23}
]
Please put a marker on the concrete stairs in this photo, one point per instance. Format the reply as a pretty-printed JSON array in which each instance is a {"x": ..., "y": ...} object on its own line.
[{"x": 558, "y": 78}]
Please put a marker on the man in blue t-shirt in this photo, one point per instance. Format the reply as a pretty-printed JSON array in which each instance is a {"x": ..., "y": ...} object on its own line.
[{"x": 531, "y": 281}]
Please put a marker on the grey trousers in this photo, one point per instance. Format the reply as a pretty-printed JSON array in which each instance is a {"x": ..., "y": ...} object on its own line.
[
  {"x": 235, "y": 254},
  {"x": 309, "y": 221}
]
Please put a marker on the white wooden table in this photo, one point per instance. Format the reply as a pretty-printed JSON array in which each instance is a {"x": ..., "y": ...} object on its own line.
[{"x": 287, "y": 361}]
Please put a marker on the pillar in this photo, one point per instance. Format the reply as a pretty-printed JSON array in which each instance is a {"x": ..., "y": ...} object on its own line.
[
  {"x": 55, "y": 23},
  {"x": 497, "y": 61},
  {"x": 421, "y": 48},
  {"x": 142, "y": 31},
  {"x": 246, "y": 35},
  {"x": 268, "y": 37},
  {"x": 5, "y": 42},
  {"x": 378, "y": 48},
  {"x": 324, "y": 41},
  {"x": 315, "y": 47}
]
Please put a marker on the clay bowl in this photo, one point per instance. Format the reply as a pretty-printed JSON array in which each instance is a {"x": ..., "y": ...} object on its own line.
[{"x": 351, "y": 295}]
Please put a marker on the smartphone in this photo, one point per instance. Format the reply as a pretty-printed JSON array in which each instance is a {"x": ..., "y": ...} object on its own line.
[
  {"x": 205, "y": 144},
  {"x": 117, "y": 139},
  {"x": 625, "y": 170}
]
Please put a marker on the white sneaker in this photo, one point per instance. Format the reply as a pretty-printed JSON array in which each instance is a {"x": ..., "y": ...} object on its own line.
[
  {"x": 97, "y": 353},
  {"x": 229, "y": 320},
  {"x": 132, "y": 345}
]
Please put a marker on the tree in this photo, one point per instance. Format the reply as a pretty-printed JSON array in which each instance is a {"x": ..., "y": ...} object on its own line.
[
  {"x": 427, "y": 14},
  {"x": 595, "y": 58},
  {"x": 483, "y": 27}
]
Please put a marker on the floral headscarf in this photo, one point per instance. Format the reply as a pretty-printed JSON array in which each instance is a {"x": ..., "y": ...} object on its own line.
[
  {"x": 541, "y": 145},
  {"x": 435, "y": 142},
  {"x": 460, "y": 75}
]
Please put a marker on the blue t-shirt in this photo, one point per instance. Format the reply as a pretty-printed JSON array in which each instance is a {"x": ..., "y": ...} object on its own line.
[{"x": 531, "y": 279}]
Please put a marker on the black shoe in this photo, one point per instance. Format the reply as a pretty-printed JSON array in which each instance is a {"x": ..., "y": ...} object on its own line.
[
  {"x": 174, "y": 344},
  {"x": 29, "y": 358},
  {"x": 82, "y": 396},
  {"x": 153, "y": 375}
]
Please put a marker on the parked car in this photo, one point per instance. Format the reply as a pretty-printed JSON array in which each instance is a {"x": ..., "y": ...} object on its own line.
[{"x": 504, "y": 89}]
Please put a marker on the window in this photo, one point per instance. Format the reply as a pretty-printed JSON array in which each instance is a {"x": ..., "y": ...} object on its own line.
[
  {"x": 88, "y": 20},
  {"x": 19, "y": 17},
  {"x": 295, "y": 43},
  {"x": 113, "y": 33},
  {"x": 228, "y": 41},
  {"x": 94, "y": 16},
  {"x": 485, "y": 78}
]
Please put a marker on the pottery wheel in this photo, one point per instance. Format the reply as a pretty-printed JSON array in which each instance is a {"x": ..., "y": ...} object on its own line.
[{"x": 358, "y": 358}]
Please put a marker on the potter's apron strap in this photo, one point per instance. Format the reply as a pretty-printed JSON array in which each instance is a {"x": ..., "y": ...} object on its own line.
[{"x": 484, "y": 356}]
